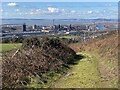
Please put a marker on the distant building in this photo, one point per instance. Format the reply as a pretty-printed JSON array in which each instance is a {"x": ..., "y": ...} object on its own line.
[
  {"x": 70, "y": 27},
  {"x": 59, "y": 26},
  {"x": 34, "y": 27},
  {"x": 82, "y": 27},
  {"x": 24, "y": 27}
]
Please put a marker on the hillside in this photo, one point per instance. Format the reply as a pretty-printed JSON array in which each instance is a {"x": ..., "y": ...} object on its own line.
[
  {"x": 35, "y": 63},
  {"x": 48, "y": 63},
  {"x": 105, "y": 48}
]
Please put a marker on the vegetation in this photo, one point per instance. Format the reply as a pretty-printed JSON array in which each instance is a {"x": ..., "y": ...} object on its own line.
[
  {"x": 36, "y": 63},
  {"x": 64, "y": 38},
  {"x": 84, "y": 74},
  {"x": 8, "y": 47},
  {"x": 69, "y": 36},
  {"x": 40, "y": 62},
  {"x": 13, "y": 40},
  {"x": 105, "y": 48}
]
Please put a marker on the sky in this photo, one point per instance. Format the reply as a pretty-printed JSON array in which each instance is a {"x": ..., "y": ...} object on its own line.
[
  {"x": 61, "y": 0},
  {"x": 59, "y": 10}
]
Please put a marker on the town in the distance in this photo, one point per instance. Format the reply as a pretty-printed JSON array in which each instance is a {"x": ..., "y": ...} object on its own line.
[{"x": 85, "y": 31}]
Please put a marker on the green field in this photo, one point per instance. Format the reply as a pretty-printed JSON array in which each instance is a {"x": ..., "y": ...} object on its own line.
[
  {"x": 69, "y": 37},
  {"x": 8, "y": 47}
]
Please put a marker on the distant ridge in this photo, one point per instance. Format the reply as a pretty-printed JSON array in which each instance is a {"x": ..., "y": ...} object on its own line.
[{"x": 55, "y": 19}]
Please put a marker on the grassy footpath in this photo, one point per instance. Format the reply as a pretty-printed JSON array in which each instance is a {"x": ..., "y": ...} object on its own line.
[
  {"x": 84, "y": 74},
  {"x": 8, "y": 47}
]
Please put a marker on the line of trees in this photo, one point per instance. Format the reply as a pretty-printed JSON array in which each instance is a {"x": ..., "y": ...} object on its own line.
[{"x": 23, "y": 39}]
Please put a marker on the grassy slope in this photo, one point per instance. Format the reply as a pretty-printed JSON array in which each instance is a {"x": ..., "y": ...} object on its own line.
[
  {"x": 105, "y": 49},
  {"x": 98, "y": 69},
  {"x": 93, "y": 71},
  {"x": 41, "y": 62},
  {"x": 8, "y": 47},
  {"x": 84, "y": 74},
  {"x": 78, "y": 79}
]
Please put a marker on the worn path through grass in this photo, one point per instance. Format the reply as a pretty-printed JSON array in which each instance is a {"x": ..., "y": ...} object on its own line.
[{"x": 84, "y": 74}]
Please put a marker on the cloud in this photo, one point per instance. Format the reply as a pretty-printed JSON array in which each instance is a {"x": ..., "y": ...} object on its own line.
[
  {"x": 56, "y": 11},
  {"x": 12, "y": 4},
  {"x": 48, "y": 11},
  {"x": 51, "y": 9},
  {"x": 17, "y": 10},
  {"x": 90, "y": 12},
  {"x": 108, "y": 5},
  {"x": 1, "y": 10},
  {"x": 73, "y": 11}
]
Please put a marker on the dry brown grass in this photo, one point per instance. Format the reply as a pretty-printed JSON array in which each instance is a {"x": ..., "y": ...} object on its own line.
[{"x": 106, "y": 48}]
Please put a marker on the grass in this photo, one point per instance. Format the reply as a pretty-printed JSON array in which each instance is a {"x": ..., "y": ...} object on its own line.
[
  {"x": 108, "y": 70},
  {"x": 8, "y": 47},
  {"x": 69, "y": 37},
  {"x": 51, "y": 77},
  {"x": 84, "y": 74},
  {"x": 89, "y": 72}
]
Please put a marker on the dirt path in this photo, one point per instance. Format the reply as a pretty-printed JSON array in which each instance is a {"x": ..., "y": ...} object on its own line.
[{"x": 84, "y": 74}]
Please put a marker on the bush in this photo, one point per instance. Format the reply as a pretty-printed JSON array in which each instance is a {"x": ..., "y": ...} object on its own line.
[
  {"x": 13, "y": 40},
  {"x": 36, "y": 58},
  {"x": 29, "y": 42}
]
